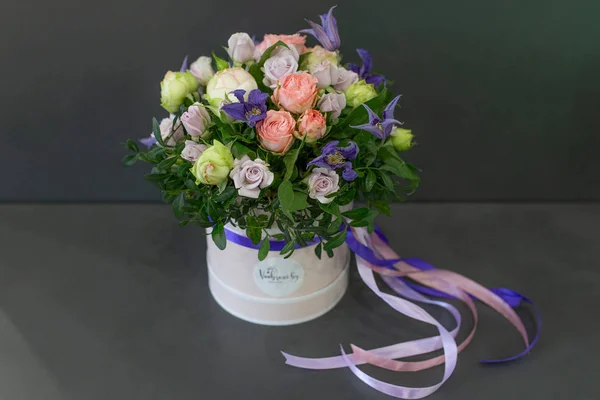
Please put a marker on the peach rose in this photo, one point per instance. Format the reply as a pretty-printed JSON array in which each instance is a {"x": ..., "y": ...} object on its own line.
[
  {"x": 312, "y": 125},
  {"x": 275, "y": 131},
  {"x": 296, "y": 92},
  {"x": 296, "y": 40}
]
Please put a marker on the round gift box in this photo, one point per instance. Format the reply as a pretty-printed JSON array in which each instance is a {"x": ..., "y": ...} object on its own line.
[{"x": 276, "y": 291}]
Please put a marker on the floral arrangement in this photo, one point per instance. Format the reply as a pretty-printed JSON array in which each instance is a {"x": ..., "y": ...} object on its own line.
[{"x": 282, "y": 136}]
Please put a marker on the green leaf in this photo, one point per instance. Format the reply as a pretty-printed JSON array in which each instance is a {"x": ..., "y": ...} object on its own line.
[
  {"x": 346, "y": 197},
  {"x": 167, "y": 163},
  {"x": 156, "y": 131},
  {"x": 400, "y": 169},
  {"x": 227, "y": 194},
  {"x": 178, "y": 205},
  {"x": 130, "y": 159},
  {"x": 267, "y": 54},
  {"x": 303, "y": 60},
  {"x": 221, "y": 64},
  {"x": 133, "y": 146},
  {"x": 290, "y": 246},
  {"x": 319, "y": 250},
  {"x": 222, "y": 186},
  {"x": 299, "y": 202},
  {"x": 239, "y": 150},
  {"x": 336, "y": 241},
  {"x": 218, "y": 236},
  {"x": 387, "y": 181},
  {"x": 370, "y": 180},
  {"x": 290, "y": 162},
  {"x": 254, "y": 233},
  {"x": 331, "y": 208},
  {"x": 263, "y": 250},
  {"x": 382, "y": 206},
  {"x": 357, "y": 213},
  {"x": 286, "y": 195}
]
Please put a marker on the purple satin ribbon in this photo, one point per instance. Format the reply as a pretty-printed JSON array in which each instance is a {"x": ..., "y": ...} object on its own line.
[
  {"x": 511, "y": 297},
  {"x": 245, "y": 241}
]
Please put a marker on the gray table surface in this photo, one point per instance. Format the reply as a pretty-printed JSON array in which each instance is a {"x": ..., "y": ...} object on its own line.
[{"x": 111, "y": 302}]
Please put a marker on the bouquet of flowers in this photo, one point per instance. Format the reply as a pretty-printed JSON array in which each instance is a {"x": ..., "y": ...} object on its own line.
[{"x": 279, "y": 137}]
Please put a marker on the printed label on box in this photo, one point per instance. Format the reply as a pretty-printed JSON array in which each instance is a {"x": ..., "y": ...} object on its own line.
[{"x": 278, "y": 277}]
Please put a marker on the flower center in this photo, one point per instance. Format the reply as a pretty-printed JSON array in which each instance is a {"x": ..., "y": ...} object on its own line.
[
  {"x": 253, "y": 112},
  {"x": 336, "y": 159}
]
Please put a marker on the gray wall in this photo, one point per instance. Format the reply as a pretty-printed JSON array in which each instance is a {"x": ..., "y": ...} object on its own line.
[{"x": 502, "y": 95}]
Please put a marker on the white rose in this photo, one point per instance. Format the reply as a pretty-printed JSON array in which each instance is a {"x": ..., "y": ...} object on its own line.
[
  {"x": 192, "y": 150},
  {"x": 226, "y": 81},
  {"x": 202, "y": 69},
  {"x": 250, "y": 176},
  {"x": 326, "y": 72},
  {"x": 322, "y": 182},
  {"x": 277, "y": 67},
  {"x": 345, "y": 79},
  {"x": 241, "y": 47}
]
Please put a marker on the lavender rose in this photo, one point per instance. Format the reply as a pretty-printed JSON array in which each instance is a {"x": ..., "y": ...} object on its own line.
[
  {"x": 333, "y": 103},
  {"x": 326, "y": 72},
  {"x": 169, "y": 134},
  {"x": 322, "y": 182},
  {"x": 241, "y": 47},
  {"x": 345, "y": 79},
  {"x": 250, "y": 176},
  {"x": 196, "y": 119},
  {"x": 276, "y": 68},
  {"x": 192, "y": 150}
]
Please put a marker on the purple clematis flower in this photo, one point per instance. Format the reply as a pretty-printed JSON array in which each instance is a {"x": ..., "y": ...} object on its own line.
[
  {"x": 381, "y": 127},
  {"x": 326, "y": 33},
  {"x": 365, "y": 71},
  {"x": 251, "y": 111},
  {"x": 149, "y": 141},
  {"x": 334, "y": 157}
]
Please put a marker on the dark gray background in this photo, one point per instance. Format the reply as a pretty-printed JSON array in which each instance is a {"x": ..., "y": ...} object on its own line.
[{"x": 502, "y": 95}]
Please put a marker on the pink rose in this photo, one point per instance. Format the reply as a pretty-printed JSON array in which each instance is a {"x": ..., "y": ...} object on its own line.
[
  {"x": 312, "y": 125},
  {"x": 192, "y": 150},
  {"x": 275, "y": 131},
  {"x": 298, "y": 41},
  {"x": 296, "y": 92},
  {"x": 196, "y": 120}
]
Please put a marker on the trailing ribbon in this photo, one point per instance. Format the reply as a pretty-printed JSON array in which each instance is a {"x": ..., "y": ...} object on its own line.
[{"x": 373, "y": 254}]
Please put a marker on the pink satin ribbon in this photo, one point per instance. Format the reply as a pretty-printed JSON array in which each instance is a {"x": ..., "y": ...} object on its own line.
[{"x": 446, "y": 281}]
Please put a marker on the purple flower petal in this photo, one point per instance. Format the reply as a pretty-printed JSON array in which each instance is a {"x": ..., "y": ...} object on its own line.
[
  {"x": 149, "y": 141},
  {"x": 365, "y": 56},
  {"x": 349, "y": 174},
  {"x": 349, "y": 152},
  {"x": 256, "y": 97},
  {"x": 387, "y": 126},
  {"x": 239, "y": 94},
  {"x": 330, "y": 148},
  {"x": 388, "y": 113},
  {"x": 319, "y": 162},
  {"x": 375, "y": 80},
  {"x": 354, "y": 68},
  {"x": 373, "y": 129},
  {"x": 236, "y": 110},
  {"x": 184, "y": 64},
  {"x": 373, "y": 118},
  {"x": 326, "y": 33}
]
